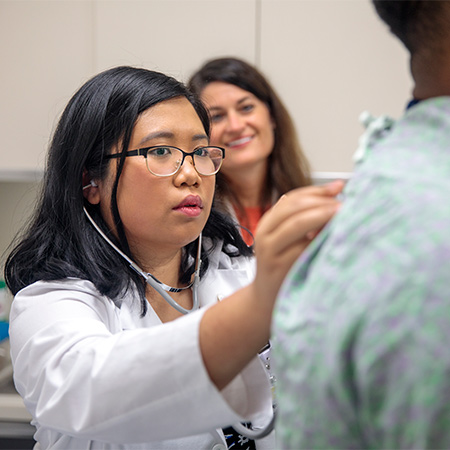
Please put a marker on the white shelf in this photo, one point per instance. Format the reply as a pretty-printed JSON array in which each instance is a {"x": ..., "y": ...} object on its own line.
[{"x": 13, "y": 409}]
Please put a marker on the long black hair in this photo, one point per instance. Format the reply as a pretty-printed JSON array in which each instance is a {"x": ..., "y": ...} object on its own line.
[{"x": 59, "y": 241}]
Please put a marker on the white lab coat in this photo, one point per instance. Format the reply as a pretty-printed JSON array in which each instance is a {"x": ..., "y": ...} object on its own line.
[{"x": 94, "y": 376}]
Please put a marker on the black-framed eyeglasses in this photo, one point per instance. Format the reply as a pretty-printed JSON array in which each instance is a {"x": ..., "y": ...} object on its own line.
[{"x": 165, "y": 160}]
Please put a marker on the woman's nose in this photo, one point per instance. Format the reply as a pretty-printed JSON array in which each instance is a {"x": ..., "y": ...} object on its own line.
[
  {"x": 235, "y": 122},
  {"x": 187, "y": 174}
]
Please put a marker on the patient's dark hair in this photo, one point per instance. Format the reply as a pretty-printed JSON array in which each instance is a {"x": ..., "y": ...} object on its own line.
[
  {"x": 59, "y": 241},
  {"x": 417, "y": 23}
]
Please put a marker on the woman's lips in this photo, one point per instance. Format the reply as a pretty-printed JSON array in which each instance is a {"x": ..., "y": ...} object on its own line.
[
  {"x": 239, "y": 142},
  {"x": 191, "y": 206}
]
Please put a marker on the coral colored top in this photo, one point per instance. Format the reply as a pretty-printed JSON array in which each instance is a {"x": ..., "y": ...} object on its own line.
[{"x": 250, "y": 221}]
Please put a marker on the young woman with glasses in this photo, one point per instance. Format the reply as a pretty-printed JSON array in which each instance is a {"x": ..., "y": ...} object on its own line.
[
  {"x": 125, "y": 220},
  {"x": 264, "y": 158}
]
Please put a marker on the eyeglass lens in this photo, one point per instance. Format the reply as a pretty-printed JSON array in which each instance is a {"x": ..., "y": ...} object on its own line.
[{"x": 167, "y": 160}]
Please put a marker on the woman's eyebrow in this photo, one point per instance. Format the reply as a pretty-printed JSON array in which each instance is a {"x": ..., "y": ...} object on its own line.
[
  {"x": 156, "y": 135},
  {"x": 171, "y": 135},
  {"x": 244, "y": 99},
  {"x": 219, "y": 108},
  {"x": 200, "y": 137}
]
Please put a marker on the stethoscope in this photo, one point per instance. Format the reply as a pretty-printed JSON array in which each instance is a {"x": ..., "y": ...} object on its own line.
[{"x": 163, "y": 290}]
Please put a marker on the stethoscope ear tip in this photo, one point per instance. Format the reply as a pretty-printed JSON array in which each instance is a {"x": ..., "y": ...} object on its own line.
[{"x": 92, "y": 183}]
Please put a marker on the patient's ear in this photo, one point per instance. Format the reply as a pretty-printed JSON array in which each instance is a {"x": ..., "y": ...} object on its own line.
[{"x": 90, "y": 190}]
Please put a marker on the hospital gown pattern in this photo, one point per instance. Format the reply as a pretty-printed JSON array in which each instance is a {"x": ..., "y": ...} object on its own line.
[{"x": 362, "y": 323}]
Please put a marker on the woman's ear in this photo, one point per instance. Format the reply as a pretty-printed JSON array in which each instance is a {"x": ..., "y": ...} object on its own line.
[{"x": 90, "y": 190}]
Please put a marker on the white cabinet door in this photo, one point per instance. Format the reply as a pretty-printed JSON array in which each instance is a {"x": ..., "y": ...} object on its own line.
[
  {"x": 49, "y": 48},
  {"x": 46, "y": 49},
  {"x": 330, "y": 60},
  {"x": 173, "y": 36}
]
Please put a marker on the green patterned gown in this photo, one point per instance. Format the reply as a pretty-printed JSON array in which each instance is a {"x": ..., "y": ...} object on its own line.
[{"x": 362, "y": 323}]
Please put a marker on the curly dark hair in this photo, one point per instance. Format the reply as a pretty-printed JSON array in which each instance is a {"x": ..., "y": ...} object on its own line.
[{"x": 416, "y": 23}]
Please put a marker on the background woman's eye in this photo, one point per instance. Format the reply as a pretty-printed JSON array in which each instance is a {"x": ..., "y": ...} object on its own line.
[
  {"x": 247, "y": 108},
  {"x": 216, "y": 117}
]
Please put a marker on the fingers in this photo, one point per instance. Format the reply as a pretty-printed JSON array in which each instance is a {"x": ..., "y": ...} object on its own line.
[
  {"x": 335, "y": 187},
  {"x": 297, "y": 201},
  {"x": 329, "y": 189},
  {"x": 286, "y": 230},
  {"x": 277, "y": 250},
  {"x": 297, "y": 228},
  {"x": 294, "y": 222}
]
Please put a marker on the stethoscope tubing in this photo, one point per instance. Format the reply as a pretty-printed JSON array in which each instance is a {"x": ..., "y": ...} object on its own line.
[{"x": 149, "y": 277}]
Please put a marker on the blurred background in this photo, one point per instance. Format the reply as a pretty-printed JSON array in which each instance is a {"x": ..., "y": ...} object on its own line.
[{"x": 328, "y": 59}]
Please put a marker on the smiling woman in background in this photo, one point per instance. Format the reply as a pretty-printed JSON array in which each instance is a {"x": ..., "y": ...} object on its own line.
[{"x": 264, "y": 158}]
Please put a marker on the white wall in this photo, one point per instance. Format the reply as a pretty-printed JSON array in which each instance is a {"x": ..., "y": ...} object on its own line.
[{"x": 328, "y": 59}]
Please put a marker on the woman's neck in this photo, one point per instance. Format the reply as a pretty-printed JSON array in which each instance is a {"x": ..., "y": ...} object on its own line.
[
  {"x": 162, "y": 263},
  {"x": 166, "y": 269},
  {"x": 248, "y": 185}
]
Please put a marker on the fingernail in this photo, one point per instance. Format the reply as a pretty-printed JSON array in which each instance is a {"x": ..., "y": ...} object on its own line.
[{"x": 279, "y": 200}]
